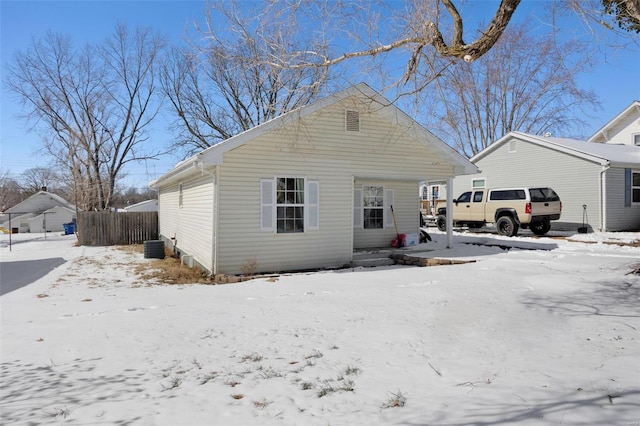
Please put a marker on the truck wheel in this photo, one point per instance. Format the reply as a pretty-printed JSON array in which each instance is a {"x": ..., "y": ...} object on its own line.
[
  {"x": 541, "y": 228},
  {"x": 441, "y": 221},
  {"x": 507, "y": 226}
]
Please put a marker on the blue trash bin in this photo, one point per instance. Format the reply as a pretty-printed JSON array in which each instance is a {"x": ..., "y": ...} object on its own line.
[{"x": 69, "y": 228}]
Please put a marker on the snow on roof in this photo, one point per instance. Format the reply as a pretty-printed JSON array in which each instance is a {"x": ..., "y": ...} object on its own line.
[
  {"x": 18, "y": 208},
  {"x": 605, "y": 154}
]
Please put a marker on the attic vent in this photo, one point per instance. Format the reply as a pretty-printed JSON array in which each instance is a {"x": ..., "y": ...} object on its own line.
[{"x": 352, "y": 121}]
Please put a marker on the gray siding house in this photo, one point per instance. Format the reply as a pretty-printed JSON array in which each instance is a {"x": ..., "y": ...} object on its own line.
[
  {"x": 597, "y": 182},
  {"x": 304, "y": 190},
  {"x": 41, "y": 210}
]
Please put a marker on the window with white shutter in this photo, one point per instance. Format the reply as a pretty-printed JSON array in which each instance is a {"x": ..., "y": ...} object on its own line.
[{"x": 289, "y": 205}]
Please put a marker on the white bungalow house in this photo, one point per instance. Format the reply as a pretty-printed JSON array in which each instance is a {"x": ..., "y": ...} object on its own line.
[
  {"x": 598, "y": 183},
  {"x": 43, "y": 210},
  {"x": 304, "y": 190},
  {"x": 624, "y": 129}
]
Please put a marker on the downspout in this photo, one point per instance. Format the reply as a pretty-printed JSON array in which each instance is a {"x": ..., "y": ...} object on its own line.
[
  {"x": 353, "y": 186},
  {"x": 216, "y": 197},
  {"x": 603, "y": 198}
]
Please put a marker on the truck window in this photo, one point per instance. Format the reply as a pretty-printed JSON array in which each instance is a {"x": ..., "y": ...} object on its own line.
[
  {"x": 507, "y": 194},
  {"x": 543, "y": 194},
  {"x": 477, "y": 196},
  {"x": 464, "y": 198}
]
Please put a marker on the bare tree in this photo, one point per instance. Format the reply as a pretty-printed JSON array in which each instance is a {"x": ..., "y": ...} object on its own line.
[
  {"x": 92, "y": 104},
  {"x": 524, "y": 83},
  {"x": 226, "y": 84},
  {"x": 10, "y": 191},
  {"x": 35, "y": 179}
]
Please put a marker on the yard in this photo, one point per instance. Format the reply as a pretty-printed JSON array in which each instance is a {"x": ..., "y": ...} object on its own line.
[{"x": 541, "y": 331}]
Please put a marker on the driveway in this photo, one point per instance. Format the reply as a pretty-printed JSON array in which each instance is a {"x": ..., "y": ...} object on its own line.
[{"x": 14, "y": 275}]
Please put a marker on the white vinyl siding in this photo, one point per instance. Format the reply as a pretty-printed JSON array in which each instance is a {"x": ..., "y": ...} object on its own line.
[{"x": 192, "y": 223}]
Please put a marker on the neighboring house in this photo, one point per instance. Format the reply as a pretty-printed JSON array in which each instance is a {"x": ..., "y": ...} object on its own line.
[
  {"x": 30, "y": 211},
  {"x": 623, "y": 129},
  {"x": 143, "y": 206},
  {"x": 303, "y": 190},
  {"x": 603, "y": 177}
]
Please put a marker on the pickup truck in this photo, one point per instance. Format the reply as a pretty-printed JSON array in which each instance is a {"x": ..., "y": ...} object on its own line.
[{"x": 509, "y": 208}]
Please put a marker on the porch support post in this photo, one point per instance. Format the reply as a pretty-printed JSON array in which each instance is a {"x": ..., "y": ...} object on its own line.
[{"x": 449, "y": 212}]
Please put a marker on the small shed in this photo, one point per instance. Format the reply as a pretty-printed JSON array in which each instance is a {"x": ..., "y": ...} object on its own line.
[{"x": 303, "y": 190}]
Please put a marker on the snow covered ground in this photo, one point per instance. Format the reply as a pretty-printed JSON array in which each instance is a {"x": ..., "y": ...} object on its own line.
[{"x": 545, "y": 333}]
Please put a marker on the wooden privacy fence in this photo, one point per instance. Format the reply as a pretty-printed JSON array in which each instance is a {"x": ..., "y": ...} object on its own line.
[{"x": 109, "y": 229}]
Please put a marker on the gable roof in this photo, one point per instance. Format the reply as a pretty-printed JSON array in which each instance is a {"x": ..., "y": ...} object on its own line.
[
  {"x": 23, "y": 206},
  {"x": 602, "y": 132},
  {"x": 145, "y": 203},
  {"x": 617, "y": 155},
  {"x": 214, "y": 154}
]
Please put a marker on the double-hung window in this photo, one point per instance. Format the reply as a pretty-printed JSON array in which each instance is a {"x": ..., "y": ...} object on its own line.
[
  {"x": 372, "y": 207},
  {"x": 289, "y": 205},
  {"x": 373, "y": 203}
]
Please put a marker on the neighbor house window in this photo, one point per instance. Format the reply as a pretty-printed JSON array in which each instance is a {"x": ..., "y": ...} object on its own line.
[
  {"x": 636, "y": 139},
  {"x": 289, "y": 205},
  {"x": 631, "y": 187},
  {"x": 180, "y": 195},
  {"x": 478, "y": 183}
]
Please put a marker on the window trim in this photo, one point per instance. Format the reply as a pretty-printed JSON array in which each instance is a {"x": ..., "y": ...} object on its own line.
[
  {"x": 513, "y": 146},
  {"x": 635, "y": 139},
  {"x": 180, "y": 194}
]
